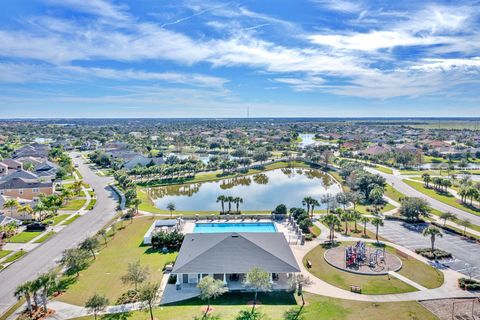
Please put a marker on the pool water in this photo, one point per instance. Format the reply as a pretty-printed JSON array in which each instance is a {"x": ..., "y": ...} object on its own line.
[{"x": 234, "y": 227}]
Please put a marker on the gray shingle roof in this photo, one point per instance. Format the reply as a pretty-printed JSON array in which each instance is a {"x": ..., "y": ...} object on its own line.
[{"x": 233, "y": 252}]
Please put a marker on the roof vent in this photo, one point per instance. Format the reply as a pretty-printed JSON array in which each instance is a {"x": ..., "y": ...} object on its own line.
[{"x": 234, "y": 235}]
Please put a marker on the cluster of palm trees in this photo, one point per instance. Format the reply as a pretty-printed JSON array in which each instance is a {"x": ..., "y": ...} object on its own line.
[
  {"x": 166, "y": 171},
  {"x": 310, "y": 203},
  {"x": 229, "y": 200},
  {"x": 36, "y": 291},
  {"x": 438, "y": 183},
  {"x": 469, "y": 191}
]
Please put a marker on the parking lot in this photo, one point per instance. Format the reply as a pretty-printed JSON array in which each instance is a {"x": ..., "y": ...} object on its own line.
[{"x": 466, "y": 254}]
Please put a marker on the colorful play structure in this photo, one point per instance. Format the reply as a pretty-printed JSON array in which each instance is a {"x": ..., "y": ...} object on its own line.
[{"x": 359, "y": 255}]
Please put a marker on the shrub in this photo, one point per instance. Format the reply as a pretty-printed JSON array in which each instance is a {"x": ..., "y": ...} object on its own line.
[
  {"x": 469, "y": 284},
  {"x": 172, "y": 279},
  {"x": 127, "y": 297},
  {"x": 437, "y": 254},
  {"x": 170, "y": 240},
  {"x": 309, "y": 237}
]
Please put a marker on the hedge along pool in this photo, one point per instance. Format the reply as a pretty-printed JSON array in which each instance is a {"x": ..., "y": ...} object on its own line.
[
  {"x": 262, "y": 191},
  {"x": 234, "y": 227}
]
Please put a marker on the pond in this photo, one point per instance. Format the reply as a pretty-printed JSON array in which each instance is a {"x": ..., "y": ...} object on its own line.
[
  {"x": 444, "y": 166},
  {"x": 307, "y": 139},
  {"x": 262, "y": 191}
]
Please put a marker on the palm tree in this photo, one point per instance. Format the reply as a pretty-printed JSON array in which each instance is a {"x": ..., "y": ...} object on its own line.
[
  {"x": 426, "y": 179},
  {"x": 433, "y": 232},
  {"x": 364, "y": 220},
  {"x": 331, "y": 221},
  {"x": 377, "y": 222},
  {"x": 77, "y": 186},
  {"x": 137, "y": 202},
  {"x": 222, "y": 199},
  {"x": 171, "y": 207},
  {"x": 345, "y": 217},
  {"x": 237, "y": 201},
  {"x": 10, "y": 204},
  {"x": 46, "y": 281},
  {"x": 306, "y": 202},
  {"x": 313, "y": 203},
  {"x": 229, "y": 199},
  {"x": 25, "y": 210},
  {"x": 355, "y": 216},
  {"x": 25, "y": 291},
  {"x": 447, "y": 216},
  {"x": 465, "y": 224}
]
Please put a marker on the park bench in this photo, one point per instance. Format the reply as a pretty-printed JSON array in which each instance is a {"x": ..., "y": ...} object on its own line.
[
  {"x": 355, "y": 289},
  {"x": 309, "y": 264}
]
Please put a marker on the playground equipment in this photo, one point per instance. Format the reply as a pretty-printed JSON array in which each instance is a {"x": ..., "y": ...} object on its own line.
[{"x": 357, "y": 255}]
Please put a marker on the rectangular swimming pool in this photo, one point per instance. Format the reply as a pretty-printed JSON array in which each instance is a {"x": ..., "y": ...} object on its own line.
[{"x": 234, "y": 227}]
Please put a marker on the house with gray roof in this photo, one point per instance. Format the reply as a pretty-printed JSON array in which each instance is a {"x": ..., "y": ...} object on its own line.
[{"x": 230, "y": 256}]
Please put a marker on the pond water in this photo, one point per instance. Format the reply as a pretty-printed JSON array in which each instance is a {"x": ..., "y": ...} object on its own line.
[
  {"x": 262, "y": 191},
  {"x": 444, "y": 166},
  {"x": 307, "y": 139}
]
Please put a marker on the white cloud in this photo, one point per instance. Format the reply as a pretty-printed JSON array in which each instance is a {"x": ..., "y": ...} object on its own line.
[
  {"x": 472, "y": 64},
  {"x": 341, "y": 5},
  {"x": 101, "y": 8}
]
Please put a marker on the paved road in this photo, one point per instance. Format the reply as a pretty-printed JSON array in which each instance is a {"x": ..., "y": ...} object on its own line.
[
  {"x": 45, "y": 256},
  {"x": 410, "y": 236},
  {"x": 404, "y": 188}
]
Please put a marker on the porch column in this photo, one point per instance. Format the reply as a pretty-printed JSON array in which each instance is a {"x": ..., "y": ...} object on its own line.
[
  {"x": 271, "y": 277},
  {"x": 179, "y": 278},
  {"x": 225, "y": 278},
  {"x": 201, "y": 276}
]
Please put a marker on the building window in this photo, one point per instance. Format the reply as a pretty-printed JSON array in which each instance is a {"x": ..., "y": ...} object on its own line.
[
  {"x": 20, "y": 191},
  {"x": 35, "y": 190}
]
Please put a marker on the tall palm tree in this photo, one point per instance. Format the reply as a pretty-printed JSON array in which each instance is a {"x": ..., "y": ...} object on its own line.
[
  {"x": 171, "y": 207},
  {"x": 364, "y": 220},
  {"x": 222, "y": 198},
  {"x": 237, "y": 201},
  {"x": 25, "y": 291},
  {"x": 77, "y": 186},
  {"x": 307, "y": 201},
  {"x": 40, "y": 209},
  {"x": 137, "y": 202},
  {"x": 229, "y": 200},
  {"x": 10, "y": 204},
  {"x": 331, "y": 221},
  {"x": 46, "y": 281},
  {"x": 426, "y": 179},
  {"x": 355, "y": 216},
  {"x": 345, "y": 217},
  {"x": 432, "y": 232},
  {"x": 313, "y": 203},
  {"x": 377, "y": 222}
]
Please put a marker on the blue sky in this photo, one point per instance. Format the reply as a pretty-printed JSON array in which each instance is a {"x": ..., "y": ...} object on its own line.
[{"x": 203, "y": 58}]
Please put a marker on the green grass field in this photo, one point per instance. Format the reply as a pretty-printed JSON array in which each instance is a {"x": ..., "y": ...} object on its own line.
[
  {"x": 57, "y": 219},
  {"x": 25, "y": 236},
  {"x": 67, "y": 222},
  {"x": 3, "y": 253},
  {"x": 317, "y": 308},
  {"x": 393, "y": 193},
  {"x": 45, "y": 237},
  {"x": 383, "y": 169},
  {"x": 447, "y": 199},
  {"x": 103, "y": 275},
  {"x": 74, "y": 204},
  {"x": 91, "y": 204},
  {"x": 15, "y": 256},
  {"x": 412, "y": 269}
]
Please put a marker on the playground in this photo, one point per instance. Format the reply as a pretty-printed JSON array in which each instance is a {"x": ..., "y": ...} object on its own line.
[{"x": 362, "y": 259}]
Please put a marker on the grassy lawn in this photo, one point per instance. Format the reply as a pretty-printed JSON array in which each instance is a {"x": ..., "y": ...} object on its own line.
[
  {"x": 103, "y": 275},
  {"x": 92, "y": 204},
  {"x": 78, "y": 174},
  {"x": 383, "y": 169},
  {"x": 15, "y": 256},
  {"x": 25, "y": 236},
  {"x": 393, "y": 193},
  {"x": 317, "y": 308},
  {"x": 45, "y": 237},
  {"x": 3, "y": 253},
  {"x": 57, "y": 219},
  {"x": 472, "y": 226},
  {"x": 363, "y": 209},
  {"x": 447, "y": 199},
  {"x": 67, "y": 222},
  {"x": 370, "y": 284},
  {"x": 74, "y": 204}
]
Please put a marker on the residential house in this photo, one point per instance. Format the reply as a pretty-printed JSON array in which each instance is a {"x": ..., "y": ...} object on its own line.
[{"x": 25, "y": 185}]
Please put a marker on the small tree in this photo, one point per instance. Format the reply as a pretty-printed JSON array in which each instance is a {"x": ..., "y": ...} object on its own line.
[
  {"x": 148, "y": 294},
  {"x": 414, "y": 208},
  {"x": 90, "y": 244},
  {"x": 74, "y": 260},
  {"x": 103, "y": 234},
  {"x": 96, "y": 304},
  {"x": 258, "y": 280},
  {"x": 302, "y": 282},
  {"x": 25, "y": 291},
  {"x": 47, "y": 282},
  {"x": 447, "y": 216},
  {"x": 250, "y": 315},
  {"x": 432, "y": 232},
  {"x": 465, "y": 224},
  {"x": 210, "y": 289},
  {"x": 171, "y": 208},
  {"x": 136, "y": 274},
  {"x": 365, "y": 220},
  {"x": 377, "y": 222}
]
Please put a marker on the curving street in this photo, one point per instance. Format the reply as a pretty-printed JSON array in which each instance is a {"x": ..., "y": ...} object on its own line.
[{"x": 45, "y": 256}]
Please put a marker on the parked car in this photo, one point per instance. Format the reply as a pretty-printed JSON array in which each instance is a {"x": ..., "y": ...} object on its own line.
[{"x": 36, "y": 226}]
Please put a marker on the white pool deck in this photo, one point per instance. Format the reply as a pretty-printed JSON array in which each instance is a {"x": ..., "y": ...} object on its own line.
[{"x": 292, "y": 238}]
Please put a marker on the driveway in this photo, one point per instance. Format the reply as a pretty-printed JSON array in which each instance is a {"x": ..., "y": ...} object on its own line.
[
  {"x": 410, "y": 236},
  {"x": 397, "y": 182},
  {"x": 45, "y": 256}
]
